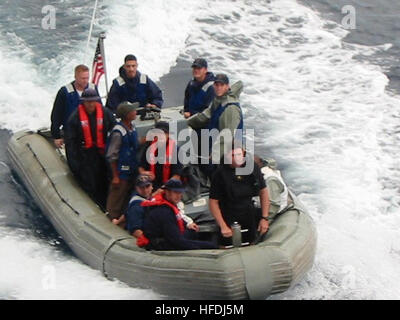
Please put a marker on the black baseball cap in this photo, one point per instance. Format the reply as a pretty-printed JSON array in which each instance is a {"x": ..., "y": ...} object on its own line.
[
  {"x": 199, "y": 63},
  {"x": 221, "y": 78}
]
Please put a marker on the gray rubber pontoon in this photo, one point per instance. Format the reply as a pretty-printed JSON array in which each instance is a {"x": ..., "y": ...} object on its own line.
[{"x": 272, "y": 266}]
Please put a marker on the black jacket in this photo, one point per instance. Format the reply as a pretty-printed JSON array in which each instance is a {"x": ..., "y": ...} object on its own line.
[
  {"x": 74, "y": 140},
  {"x": 235, "y": 192}
]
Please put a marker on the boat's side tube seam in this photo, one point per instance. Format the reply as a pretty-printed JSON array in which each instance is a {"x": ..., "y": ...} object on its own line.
[
  {"x": 108, "y": 248},
  {"x": 51, "y": 181}
]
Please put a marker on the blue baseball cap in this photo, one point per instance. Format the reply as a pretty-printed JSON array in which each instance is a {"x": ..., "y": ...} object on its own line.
[
  {"x": 174, "y": 185},
  {"x": 221, "y": 78},
  {"x": 90, "y": 95},
  {"x": 199, "y": 63},
  {"x": 143, "y": 180}
]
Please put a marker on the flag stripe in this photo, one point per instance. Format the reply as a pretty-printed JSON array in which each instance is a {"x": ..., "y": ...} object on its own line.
[{"x": 98, "y": 68}]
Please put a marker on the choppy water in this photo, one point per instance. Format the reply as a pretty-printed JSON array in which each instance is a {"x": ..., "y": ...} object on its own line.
[{"x": 327, "y": 100}]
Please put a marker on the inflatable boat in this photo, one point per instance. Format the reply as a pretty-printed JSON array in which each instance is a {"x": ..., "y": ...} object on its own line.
[{"x": 272, "y": 266}]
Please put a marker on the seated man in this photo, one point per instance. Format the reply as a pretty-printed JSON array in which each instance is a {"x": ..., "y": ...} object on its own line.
[
  {"x": 134, "y": 216},
  {"x": 231, "y": 198},
  {"x": 122, "y": 147},
  {"x": 161, "y": 167},
  {"x": 133, "y": 86},
  {"x": 85, "y": 145},
  {"x": 164, "y": 227}
]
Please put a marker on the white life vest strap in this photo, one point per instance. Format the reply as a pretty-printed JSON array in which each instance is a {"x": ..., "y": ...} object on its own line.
[
  {"x": 136, "y": 197},
  {"x": 181, "y": 206},
  {"x": 143, "y": 78},
  {"x": 120, "y": 128},
  {"x": 120, "y": 81},
  {"x": 70, "y": 88},
  {"x": 207, "y": 85}
]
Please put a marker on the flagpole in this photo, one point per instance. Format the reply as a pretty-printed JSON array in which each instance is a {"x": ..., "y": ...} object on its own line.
[
  {"x": 102, "y": 36},
  {"x": 90, "y": 29}
]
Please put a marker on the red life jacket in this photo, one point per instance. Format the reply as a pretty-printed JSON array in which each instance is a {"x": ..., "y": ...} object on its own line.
[
  {"x": 87, "y": 133},
  {"x": 167, "y": 165},
  {"x": 159, "y": 200}
]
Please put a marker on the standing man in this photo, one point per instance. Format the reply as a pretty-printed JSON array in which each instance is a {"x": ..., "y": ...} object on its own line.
[
  {"x": 199, "y": 92},
  {"x": 223, "y": 113},
  {"x": 88, "y": 127},
  {"x": 121, "y": 154},
  {"x": 133, "y": 86},
  {"x": 231, "y": 197},
  {"x": 66, "y": 102}
]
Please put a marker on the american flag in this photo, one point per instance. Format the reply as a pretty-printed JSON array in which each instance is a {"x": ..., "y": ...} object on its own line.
[{"x": 98, "y": 67}]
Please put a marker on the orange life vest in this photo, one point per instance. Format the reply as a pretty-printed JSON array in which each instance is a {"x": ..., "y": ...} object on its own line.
[
  {"x": 167, "y": 165},
  {"x": 87, "y": 133},
  {"x": 159, "y": 200}
]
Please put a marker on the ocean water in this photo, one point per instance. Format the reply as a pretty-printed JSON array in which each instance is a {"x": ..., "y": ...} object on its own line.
[{"x": 323, "y": 101}]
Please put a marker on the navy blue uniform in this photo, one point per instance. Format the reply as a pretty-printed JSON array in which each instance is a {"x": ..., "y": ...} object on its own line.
[
  {"x": 66, "y": 102},
  {"x": 138, "y": 89},
  {"x": 160, "y": 224},
  {"x": 135, "y": 214},
  {"x": 199, "y": 95},
  {"x": 122, "y": 146}
]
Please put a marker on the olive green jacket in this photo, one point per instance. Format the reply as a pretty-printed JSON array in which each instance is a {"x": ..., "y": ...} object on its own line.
[{"x": 229, "y": 119}]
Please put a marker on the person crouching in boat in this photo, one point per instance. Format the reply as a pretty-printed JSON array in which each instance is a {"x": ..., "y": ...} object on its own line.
[
  {"x": 134, "y": 216},
  {"x": 164, "y": 226},
  {"x": 164, "y": 165},
  {"x": 88, "y": 127},
  {"x": 122, "y": 147},
  {"x": 231, "y": 197}
]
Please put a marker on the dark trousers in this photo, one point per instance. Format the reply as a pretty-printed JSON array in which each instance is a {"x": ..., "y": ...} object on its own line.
[
  {"x": 189, "y": 235},
  {"x": 92, "y": 176},
  {"x": 247, "y": 218}
]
